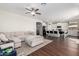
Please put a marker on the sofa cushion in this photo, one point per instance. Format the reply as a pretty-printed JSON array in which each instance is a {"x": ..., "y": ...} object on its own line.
[{"x": 16, "y": 40}]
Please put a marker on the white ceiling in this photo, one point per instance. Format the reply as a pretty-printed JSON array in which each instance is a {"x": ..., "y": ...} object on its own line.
[{"x": 51, "y": 12}]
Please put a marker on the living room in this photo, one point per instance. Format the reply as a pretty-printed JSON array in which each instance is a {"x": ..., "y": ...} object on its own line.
[{"x": 28, "y": 29}]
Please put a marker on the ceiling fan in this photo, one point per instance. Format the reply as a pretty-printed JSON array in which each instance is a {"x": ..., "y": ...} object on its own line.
[{"x": 32, "y": 11}]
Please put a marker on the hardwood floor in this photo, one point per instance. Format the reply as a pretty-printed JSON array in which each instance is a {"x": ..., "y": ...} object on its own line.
[{"x": 59, "y": 47}]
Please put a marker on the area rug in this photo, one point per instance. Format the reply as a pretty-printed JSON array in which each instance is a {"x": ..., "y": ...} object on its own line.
[
  {"x": 75, "y": 40},
  {"x": 25, "y": 50}
]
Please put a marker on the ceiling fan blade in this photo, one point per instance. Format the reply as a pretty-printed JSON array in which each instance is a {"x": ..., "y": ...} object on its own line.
[
  {"x": 32, "y": 9},
  {"x": 28, "y": 9},
  {"x": 36, "y": 9},
  {"x": 27, "y": 12},
  {"x": 38, "y": 13}
]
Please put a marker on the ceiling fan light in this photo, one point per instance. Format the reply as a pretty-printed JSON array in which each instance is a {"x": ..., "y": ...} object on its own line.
[{"x": 33, "y": 13}]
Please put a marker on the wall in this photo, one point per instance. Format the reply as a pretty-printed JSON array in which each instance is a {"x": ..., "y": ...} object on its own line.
[
  {"x": 73, "y": 31},
  {"x": 10, "y": 22},
  {"x": 54, "y": 26},
  {"x": 63, "y": 25}
]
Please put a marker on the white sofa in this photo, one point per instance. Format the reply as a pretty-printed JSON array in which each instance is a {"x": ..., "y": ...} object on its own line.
[
  {"x": 29, "y": 37},
  {"x": 17, "y": 42},
  {"x": 10, "y": 37},
  {"x": 33, "y": 40}
]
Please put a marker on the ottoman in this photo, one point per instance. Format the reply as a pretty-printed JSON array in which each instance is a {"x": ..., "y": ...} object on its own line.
[{"x": 34, "y": 40}]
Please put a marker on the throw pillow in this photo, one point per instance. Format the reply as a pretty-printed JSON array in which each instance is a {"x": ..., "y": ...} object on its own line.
[{"x": 3, "y": 37}]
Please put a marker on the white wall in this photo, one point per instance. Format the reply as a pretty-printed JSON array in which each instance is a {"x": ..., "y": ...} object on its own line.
[
  {"x": 10, "y": 22},
  {"x": 73, "y": 32},
  {"x": 54, "y": 26},
  {"x": 63, "y": 25}
]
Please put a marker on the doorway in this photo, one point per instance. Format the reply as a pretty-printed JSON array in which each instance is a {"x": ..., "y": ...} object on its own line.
[{"x": 39, "y": 28}]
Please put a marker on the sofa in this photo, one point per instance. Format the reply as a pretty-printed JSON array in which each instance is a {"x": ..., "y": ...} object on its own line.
[
  {"x": 7, "y": 37},
  {"x": 17, "y": 42},
  {"x": 29, "y": 37}
]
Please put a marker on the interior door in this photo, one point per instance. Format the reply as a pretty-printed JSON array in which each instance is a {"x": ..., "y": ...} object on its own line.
[{"x": 39, "y": 28}]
